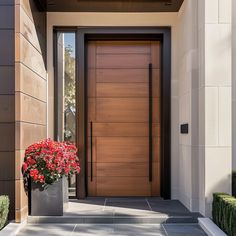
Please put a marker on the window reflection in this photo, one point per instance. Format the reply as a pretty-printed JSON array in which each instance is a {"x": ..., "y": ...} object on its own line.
[{"x": 66, "y": 106}]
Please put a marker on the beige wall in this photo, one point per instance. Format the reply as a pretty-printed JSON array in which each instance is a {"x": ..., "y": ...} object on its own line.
[
  {"x": 30, "y": 89},
  {"x": 234, "y": 80},
  {"x": 216, "y": 84},
  {"x": 187, "y": 65}
]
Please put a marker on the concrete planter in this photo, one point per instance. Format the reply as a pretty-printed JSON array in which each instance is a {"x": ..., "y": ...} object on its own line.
[{"x": 48, "y": 201}]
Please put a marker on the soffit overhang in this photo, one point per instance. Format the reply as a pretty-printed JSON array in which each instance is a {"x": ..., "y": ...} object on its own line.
[{"x": 109, "y": 6}]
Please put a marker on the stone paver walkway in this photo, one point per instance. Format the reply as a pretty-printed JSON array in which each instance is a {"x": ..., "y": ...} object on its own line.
[
  {"x": 118, "y": 216},
  {"x": 112, "y": 229}
]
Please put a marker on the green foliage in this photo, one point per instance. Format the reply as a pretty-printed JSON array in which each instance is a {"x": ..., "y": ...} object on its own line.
[
  {"x": 69, "y": 95},
  {"x": 234, "y": 183},
  {"x": 224, "y": 212},
  {"x": 4, "y": 209},
  {"x": 69, "y": 78}
]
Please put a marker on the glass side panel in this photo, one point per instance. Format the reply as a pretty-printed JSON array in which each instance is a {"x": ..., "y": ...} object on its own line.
[{"x": 66, "y": 72}]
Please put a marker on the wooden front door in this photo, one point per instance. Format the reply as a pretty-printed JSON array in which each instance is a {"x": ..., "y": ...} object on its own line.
[{"x": 118, "y": 118}]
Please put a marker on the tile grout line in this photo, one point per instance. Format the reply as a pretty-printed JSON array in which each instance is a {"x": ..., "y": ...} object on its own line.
[
  {"x": 104, "y": 206},
  {"x": 148, "y": 204},
  {"x": 164, "y": 229},
  {"x": 73, "y": 230}
]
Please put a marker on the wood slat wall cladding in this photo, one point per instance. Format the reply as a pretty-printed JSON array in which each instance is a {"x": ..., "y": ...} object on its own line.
[
  {"x": 30, "y": 88},
  {"x": 118, "y": 106}
]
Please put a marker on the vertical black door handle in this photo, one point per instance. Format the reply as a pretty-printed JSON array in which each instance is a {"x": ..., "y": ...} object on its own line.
[
  {"x": 91, "y": 151},
  {"x": 150, "y": 122}
]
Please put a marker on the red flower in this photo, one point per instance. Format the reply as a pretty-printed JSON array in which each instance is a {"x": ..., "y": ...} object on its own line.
[
  {"x": 48, "y": 160},
  {"x": 41, "y": 178},
  {"x": 24, "y": 166},
  {"x": 33, "y": 172}
]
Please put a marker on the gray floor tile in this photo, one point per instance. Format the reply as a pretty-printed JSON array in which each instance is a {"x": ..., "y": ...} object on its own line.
[
  {"x": 183, "y": 230},
  {"x": 140, "y": 229},
  {"x": 170, "y": 207},
  {"x": 47, "y": 229},
  {"x": 93, "y": 229}
]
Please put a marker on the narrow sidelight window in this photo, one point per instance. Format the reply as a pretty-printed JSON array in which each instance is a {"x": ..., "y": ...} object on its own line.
[{"x": 65, "y": 96}]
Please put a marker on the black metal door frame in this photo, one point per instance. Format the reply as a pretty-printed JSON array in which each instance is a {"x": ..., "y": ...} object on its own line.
[{"x": 84, "y": 34}]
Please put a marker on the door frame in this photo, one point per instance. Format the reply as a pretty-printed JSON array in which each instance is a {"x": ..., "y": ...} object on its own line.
[
  {"x": 162, "y": 34},
  {"x": 84, "y": 34}
]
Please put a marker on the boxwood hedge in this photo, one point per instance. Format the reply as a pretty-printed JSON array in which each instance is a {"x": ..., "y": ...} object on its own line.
[
  {"x": 234, "y": 183},
  {"x": 4, "y": 209},
  {"x": 224, "y": 212}
]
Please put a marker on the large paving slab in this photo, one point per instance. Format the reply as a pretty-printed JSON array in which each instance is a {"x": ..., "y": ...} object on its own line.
[
  {"x": 92, "y": 230},
  {"x": 112, "y": 229},
  {"x": 118, "y": 216},
  {"x": 183, "y": 230},
  {"x": 122, "y": 211}
]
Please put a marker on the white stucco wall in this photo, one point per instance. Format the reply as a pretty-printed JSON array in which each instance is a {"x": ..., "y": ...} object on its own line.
[
  {"x": 216, "y": 85},
  {"x": 187, "y": 65},
  {"x": 234, "y": 80}
]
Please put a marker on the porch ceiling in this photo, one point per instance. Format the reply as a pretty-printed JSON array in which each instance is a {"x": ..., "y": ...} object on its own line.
[{"x": 109, "y": 5}]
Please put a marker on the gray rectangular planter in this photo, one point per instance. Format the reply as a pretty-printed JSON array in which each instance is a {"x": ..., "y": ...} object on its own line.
[{"x": 47, "y": 201}]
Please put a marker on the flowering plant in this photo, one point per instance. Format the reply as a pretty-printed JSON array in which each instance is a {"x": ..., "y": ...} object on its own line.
[{"x": 47, "y": 161}]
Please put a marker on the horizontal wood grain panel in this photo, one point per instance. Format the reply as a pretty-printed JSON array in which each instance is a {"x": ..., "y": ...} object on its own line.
[
  {"x": 156, "y": 177},
  {"x": 94, "y": 167},
  {"x": 94, "y": 145},
  {"x": 118, "y": 100},
  {"x": 122, "y": 90},
  {"x": 92, "y": 187},
  {"x": 123, "y": 186},
  {"x": 122, "y": 75},
  {"x": 122, "y": 149},
  {"x": 156, "y": 147},
  {"x": 122, "y": 109},
  {"x": 122, "y": 169},
  {"x": 120, "y": 129},
  {"x": 126, "y": 110},
  {"x": 155, "y": 54},
  {"x": 91, "y": 54},
  {"x": 91, "y": 109},
  {"x": 91, "y": 82},
  {"x": 156, "y": 83},
  {"x": 156, "y": 110},
  {"x": 123, "y": 129},
  {"x": 122, "y": 61},
  {"x": 123, "y": 47}
]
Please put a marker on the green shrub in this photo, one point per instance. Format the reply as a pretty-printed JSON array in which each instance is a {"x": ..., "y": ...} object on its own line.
[
  {"x": 4, "y": 209},
  {"x": 224, "y": 212},
  {"x": 234, "y": 183}
]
